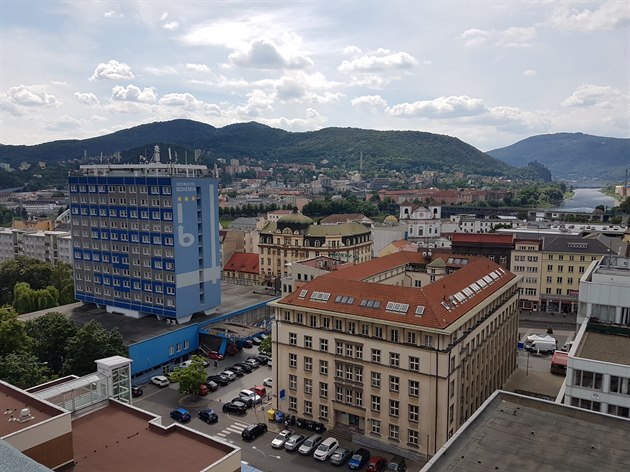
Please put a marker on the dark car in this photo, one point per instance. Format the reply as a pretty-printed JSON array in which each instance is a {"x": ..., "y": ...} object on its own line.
[
  {"x": 220, "y": 379},
  {"x": 262, "y": 360},
  {"x": 254, "y": 430},
  {"x": 212, "y": 385},
  {"x": 249, "y": 402},
  {"x": 245, "y": 366},
  {"x": 340, "y": 456},
  {"x": 264, "y": 354},
  {"x": 247, "y": 344},
  {"x": 238, "y": 370},
  {"x": 359, "y": 459},
  {"x": 397, "y": 464},
  {"x": 235, "y": 406},
  {"x": 181, "y": 415},
  {"x": 209, "y": 416},
  {"x": 256, "y": 341},
  {"x": 136, "y": 391},
  {"x": 376, "y": 464}
]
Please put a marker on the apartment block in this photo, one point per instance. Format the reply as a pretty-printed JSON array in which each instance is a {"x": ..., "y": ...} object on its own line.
[
  {"x": 526, "y": 261},
  {"x": 397, "y": 366}
]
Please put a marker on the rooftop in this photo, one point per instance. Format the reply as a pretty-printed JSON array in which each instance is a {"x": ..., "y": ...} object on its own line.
[
  {"x": 605, "y": 347},
  {"x": 483, "y": 238},
  {"x": 512, "y": 432},
  {"x": 243, "y": 262}
]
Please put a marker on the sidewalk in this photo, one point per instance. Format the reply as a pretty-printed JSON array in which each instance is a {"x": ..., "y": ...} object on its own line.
[{"x": 550, "y": 318}]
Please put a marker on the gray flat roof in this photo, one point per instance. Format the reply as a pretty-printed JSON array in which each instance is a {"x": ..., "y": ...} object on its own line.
[
  {"x": 513, "y": 432},
  {"x": 605, "y": 347},
  {"x": 234, "y": 298}
]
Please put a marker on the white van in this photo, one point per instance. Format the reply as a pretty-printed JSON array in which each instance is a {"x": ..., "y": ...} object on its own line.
[{"x": 541, "y": 347}]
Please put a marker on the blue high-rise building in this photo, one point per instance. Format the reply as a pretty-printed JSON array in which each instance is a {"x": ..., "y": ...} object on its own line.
[{"x": 146, "y": 238}]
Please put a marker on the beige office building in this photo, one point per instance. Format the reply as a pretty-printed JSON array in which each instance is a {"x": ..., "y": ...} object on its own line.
[{"x": 391, "y": 365}]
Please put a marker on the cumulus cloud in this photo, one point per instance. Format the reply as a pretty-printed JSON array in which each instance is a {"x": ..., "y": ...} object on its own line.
[
  {"x": 28, "y": 96},
  {"x": 198, "y": 67},
  {"x": 161, "y": 71},
  {"x": 590, "y": 95},
  {"x": 314, "y": 120},
  {"x": 510, "y": 37},
  {"x": 113, "y": 14},
  {"x": 608, "y": 15},
  {"x": 171, "y": 25},
  {"x": 131, "y": 93},
  {"x": 112, "y": 70},
  {"x": 181, "y": 100},
  {"x": 530, "y": 73},
  {"x": 369, "y": 101},
  {"x": 516, "y": 120},
  {"x": 381, "y": 59},
  {"x": 441, "y": 107},
  {"x": 265, "y": 54},
  {"x": 475, "y": 37},
  {"x": 87, "y": 98},
  {"x": 351, "y": 51}
]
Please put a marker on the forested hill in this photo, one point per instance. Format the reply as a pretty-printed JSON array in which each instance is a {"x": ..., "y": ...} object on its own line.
[
  {"x": 572, "y": 156},
  {"x": 404, "y": 151}
]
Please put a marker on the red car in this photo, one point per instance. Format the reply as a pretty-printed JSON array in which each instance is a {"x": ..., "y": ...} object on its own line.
[
  {"x": 215, "y": 355},
  {"x": 376, "y": 464}
]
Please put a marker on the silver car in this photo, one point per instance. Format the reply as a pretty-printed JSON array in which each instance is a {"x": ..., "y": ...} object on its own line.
[
  {"x": 309, "y": 446},
  {"x": 294, "y": 442},
  {"x": 281, "y": 438}
]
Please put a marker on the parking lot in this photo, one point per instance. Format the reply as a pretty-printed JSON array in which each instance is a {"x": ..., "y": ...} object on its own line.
[{"x": 257, "y": 452}]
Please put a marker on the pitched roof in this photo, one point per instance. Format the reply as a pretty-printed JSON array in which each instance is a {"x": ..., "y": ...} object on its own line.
[
  {"x": 243, "y": 262},
  {"x": 575, "y": 244},
  {"x": 483, "y": 238},
  {"x": 440, "y": 303},
  {"x": 342, "y": 218}
]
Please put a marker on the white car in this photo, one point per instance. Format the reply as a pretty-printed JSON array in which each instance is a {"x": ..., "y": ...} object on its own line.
[
  {"x": 268, "y": 382},
  {"x": 231, "y": 375},
  {"x": 326, "y": 449},
  {"x": 185, "y": 364},
  {"x": 249, "y": 394},
  {"x": 281, "y": 438},
  {"x": 160, "y": 381}
]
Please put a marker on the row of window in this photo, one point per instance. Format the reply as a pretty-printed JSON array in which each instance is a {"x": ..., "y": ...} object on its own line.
[
  {"x": 526, "y": 258},
  {"x": 171, "y": 348},
  {"x": 594, "y": 380},
  {"x": 123, "y": 213},
  {"x": 136, "y": 297},
  {"x": 394, "y": 361},
  {"x": 144, "y": 202},
  {"x": 101, "y": 188}
]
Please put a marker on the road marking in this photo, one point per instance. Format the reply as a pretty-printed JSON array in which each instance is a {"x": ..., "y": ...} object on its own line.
[
  {"x": 237, "y": 431},
  {"x": 221, "y": 434}
]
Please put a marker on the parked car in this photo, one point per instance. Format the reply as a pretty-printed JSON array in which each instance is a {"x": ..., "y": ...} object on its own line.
[
  {"x": 253, "y": 363},
  {"x": 310, "y": 444},
  {"x": 249, "y": 402},
  {"x": 260, "y": 390},
  {"x": 359, "y": 459},
  {"x": 247, "y": 344},
  {"x": 203, "y": 390},
  {"x": 160, "y": 380},
  {"x": 181, "y": 414},
  {"x": 256, "y": 341},
  {"x": 246, "y": 368},
  {"x": 262, "y": 360},
  {"x": 136, "y": 391},
  {"x": 281, "y": 438},
  {"x": 376, "y": 464},
  {"x": 340, "y": 456},
  {"x": 230, "y": 375},
  {"x": 238, "y": 370},
  {"x": 185, "y": 364},
  {"x": 326, "y": 449},
  {"x": 212, "y": 385},
  {"x": 264, "y": 354},
  {"x": 254, "y": 430},
  {"x": 219, "y": 378},
  {"x": 294, "y": 442},
  {"x": 235, "y": 406},
  {"x": 249, "y": 394},
  {"x": 215, "y": 356},
  {"x": 397, "y": 464},
  {"x": 270, "y": 363},
  {"x": 209, "y": 416},
  {"x": 268, "y": 382},
  {"x": 205, "y": 363}
]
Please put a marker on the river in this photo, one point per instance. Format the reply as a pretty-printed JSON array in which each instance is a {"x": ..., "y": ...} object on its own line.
[{"x": 586, "y": 199}]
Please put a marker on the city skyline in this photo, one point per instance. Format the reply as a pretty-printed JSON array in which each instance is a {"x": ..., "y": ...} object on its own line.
[{"x": 488, "y": 73}]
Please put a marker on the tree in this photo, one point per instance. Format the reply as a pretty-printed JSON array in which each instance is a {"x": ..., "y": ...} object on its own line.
[
  {"x": 23, "y": 370},
  {"x": 191, "y": 377},
  {"x": 26, "y": 299},
  {"x": 51, "y": 334},
  {"x": 625, "y": 205},
  {"x": 13, "y": 337},
  {"x": 265, "y": 345},
  {"x": 91, "y": 342}
]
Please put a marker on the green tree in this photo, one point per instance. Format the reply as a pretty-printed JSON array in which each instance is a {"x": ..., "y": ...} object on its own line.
[
  {"x": 23, "y": 370},
  {"x": 625, "y": 205},
  {"x": 265, "y": 345},
  {"x": 37, "y": 274},
  {"x": 51, "y": 334},
  {"x": 91, "y": 342},
  {"x": 13, "y": 336},
  {"x": 190, "y": 377}
]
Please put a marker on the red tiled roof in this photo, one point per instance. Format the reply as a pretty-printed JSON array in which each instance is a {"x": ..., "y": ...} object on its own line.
[
  {"x": 378, "y": 265},
  {"x": 243, "y": 262},
  {"x": 483, "y": 238},
  {"x": 431, "y": 297}
]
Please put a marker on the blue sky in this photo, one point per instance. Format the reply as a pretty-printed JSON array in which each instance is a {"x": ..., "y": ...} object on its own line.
[{"x": 489, "y": 73}]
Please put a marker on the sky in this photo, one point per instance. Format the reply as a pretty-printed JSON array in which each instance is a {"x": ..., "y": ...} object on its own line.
[{"x": 489, "y": 73}]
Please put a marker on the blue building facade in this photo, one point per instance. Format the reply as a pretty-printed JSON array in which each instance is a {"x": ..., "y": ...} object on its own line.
[{"x": 146, "y": 239}]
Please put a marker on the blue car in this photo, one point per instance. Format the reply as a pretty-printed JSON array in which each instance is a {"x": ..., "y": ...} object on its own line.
[
  {"x": 359, "y": 459},
  {"x": 181, "y": 414}
]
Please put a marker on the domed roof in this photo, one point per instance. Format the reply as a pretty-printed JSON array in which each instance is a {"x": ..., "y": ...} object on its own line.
[
  {"x": 390, "y": 219},
  {"x": 295, "y": 218}
]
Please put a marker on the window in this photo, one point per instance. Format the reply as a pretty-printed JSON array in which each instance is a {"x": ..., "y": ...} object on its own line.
[
  {"x": 413, "y": 437},
  {"x": 414, "y": 388},
  {"x": 326, "y": 323},
  {"x": 308, "y": 342},
  {"x": 376, "y": 379},
  {"x": 376, "y": 355},
  {"x": 292, "y": 382},
  {"x": 338, "y": 324},
  {"x": 349, "y": 349},
  {"x": 394, "y": 383},
  {"x": 394, "y": 408},
  {"x": 411, "y": 337},
  {"x": 293, "y": 360},
  {"x": 308, "y": 407},
  {"x": 323, "y": 344},
  {"x": 308, "y": 364},
  {"x": 394, "y": 359},
  {"x": 583, "y": 378},
  {"x": 358, "y": 398},
  {"x": 293, "y": 339},
  {"x": 358, "y": 352},
  {"x": 323, "y": 367},
  {"x": 393, "y": 335},
  {"x": 323, "y": 389},
  {"x": 393, "y": 432},
  {"x": 349, "y": 373},
  {"x": 378, "y": 332},
  {"x": 323, "y": 412},
  {"x": 376, "y": 427},
  {"x": 365, "y": 329},
  {"x": 308, "y": 386},
  {"x": 376, "y": 403},
  {"x": 339, "y": 394},
  {"x": 414, "y": 363},
  {"x": 414, "y": 413}
]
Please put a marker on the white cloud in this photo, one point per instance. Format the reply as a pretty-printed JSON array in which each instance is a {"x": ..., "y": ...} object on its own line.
[
  {"x": 171, "y": 25},
  {"x": 161, "y": 71},
  {"x": 131, "y": 93},
  {"x": 608, "y": 15},
  {"x": 381, "y": 59},
  {"x": 351, "y": 51},
  {"x": 475, "y": 37},
  {"x": 516, "y": 120},
  {"x": 265, "y": 54},
  {"x": 113, "y": 14},
  {"x": 98, "y": 118},
  {"x": 29, "y": 96},
  {"x": 510, "y": 37},
  {"x": 313, "y": 121},
  {"x": 530, "y": 73},
  {"x": 112, "y": 70},
  {"x": 590, "y": 95},
  {"x": 441, "y": 107},
  {"x": 64, "y": 123},
  {"x": 87, "y": 98},
  {"x": 369, "y": 101},
  {"x": 198, "y": 67},
  {"x": 182, "y": 100},
  {"x": 164, "y": 16}
]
